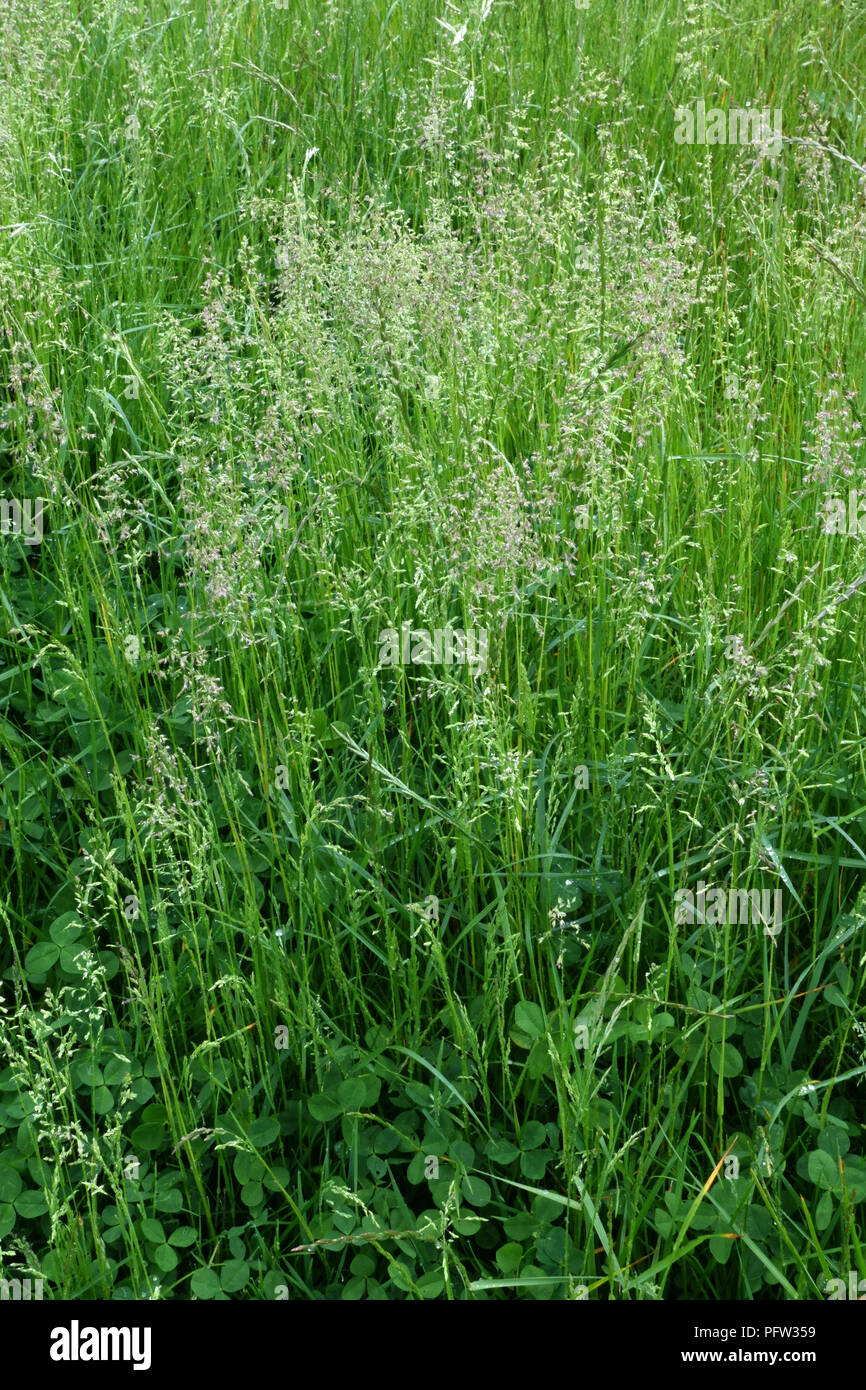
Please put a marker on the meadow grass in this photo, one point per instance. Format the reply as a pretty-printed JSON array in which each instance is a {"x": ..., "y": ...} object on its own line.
[{"x": 329, "y": 978}]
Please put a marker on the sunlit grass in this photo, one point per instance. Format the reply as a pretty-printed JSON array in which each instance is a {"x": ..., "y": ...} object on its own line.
[{"x": 329, "y": 978}]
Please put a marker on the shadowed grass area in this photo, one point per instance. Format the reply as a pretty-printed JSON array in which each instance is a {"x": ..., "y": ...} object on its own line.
[{"x": 332, "y": 969}]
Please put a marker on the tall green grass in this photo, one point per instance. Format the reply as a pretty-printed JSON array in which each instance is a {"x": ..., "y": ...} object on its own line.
[{"x": 330, "y": 979}]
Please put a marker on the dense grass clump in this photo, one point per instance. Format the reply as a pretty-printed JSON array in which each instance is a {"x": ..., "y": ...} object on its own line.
[{"x": 331, "y": 968}]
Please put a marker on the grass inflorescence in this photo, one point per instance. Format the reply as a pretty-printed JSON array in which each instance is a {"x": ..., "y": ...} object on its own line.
[{"x": 330, "y": 976}]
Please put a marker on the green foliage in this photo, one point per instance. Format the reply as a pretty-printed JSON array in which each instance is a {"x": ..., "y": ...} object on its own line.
[{"x": 328, "y": 979}]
